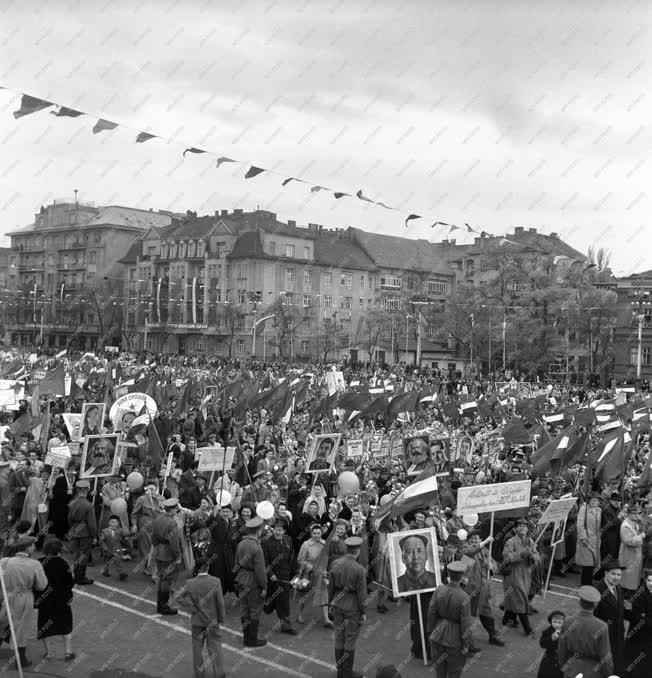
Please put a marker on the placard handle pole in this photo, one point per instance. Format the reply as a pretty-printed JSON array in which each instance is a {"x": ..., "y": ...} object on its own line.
[
  {"x": 6, "y": 599},
  {"x": 536, "y": 541},
  {"x": 491, "y": 543},
  {"x": 422, "y": 631},
  {"x": 165, "y": 475},
  {"x": 552, "y": 560}
]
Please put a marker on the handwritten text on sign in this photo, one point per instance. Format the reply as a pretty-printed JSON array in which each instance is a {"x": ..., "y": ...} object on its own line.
[
  {"x": 557, "y": 510},
  {"x": 490, "y": 498}
]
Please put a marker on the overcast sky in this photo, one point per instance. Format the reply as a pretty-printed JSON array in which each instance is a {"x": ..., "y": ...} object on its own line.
[{"x": 498, "y": 114}]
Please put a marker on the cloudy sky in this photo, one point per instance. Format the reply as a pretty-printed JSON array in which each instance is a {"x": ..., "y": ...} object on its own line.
[{"x": 496, "y": 113}]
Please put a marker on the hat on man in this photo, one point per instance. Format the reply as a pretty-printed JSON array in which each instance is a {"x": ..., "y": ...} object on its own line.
[
  {"x": 22, "y": 542},
  {"x": 522, "y": 521},
  {"x": 589, "y": 594},
  {"x": 612, "y": 565},
  {"x": 353, "y": 542},
  {"x": 82, "y": 485},
  {"x": 254, "y": 523},
  {"x": 456, "y": 566},
  {"x": 172, "y": 502}
]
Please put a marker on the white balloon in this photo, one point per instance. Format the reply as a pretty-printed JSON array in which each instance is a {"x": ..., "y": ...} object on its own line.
[
  {"x": 462, "y": 535},
  {"x": 223, "y": 497},
  {"x": 265, "y": 510},
  {"x": 471, "y": 519}
]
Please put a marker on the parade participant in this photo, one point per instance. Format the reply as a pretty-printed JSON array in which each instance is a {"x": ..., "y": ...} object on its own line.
[
  {"x": 611, "y": 609},
  {"x": 587, "y": 551},
  {"x": 22, "y": 577},
  {"x": 168, "y": 554},
  {"x": 251, "y": 582},
  {"x": 584, "y": 640},
  {"x": 347, "y": 595},
  {"x": 549, "y": 666},
  {"x": 222, "y": 547},
  {"x": 82, "y": 531},
  {"x": 55, "y": 603},
  {"x": 308, "y": 565},
  {"x": 145, "y": 510},
  {"x": 631, "y": 549},
  {"x": 639, "y": 635},
  {"x": 115, "y": 548},
  {"x": 257, "y": 491},
  {"x": 449, "y": 624},
  {"x": 414, "y": 555},
  {"x": 610, "y": 522},
  {"x": 201, "y": 596},
  {"x": 519, "y": 554},
  {"x": 279, "y": 557},
  {"x": 478, "y": 584}
]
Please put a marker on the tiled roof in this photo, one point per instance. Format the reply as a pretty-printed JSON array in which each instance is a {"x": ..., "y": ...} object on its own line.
[
  {"x": 135, "y": 251},
  {"x": 390, "y": 251},
  {"x": 115, "y": 215},
  {"x": 341, "y": 254},
  {"x": 249, "y": 244}
]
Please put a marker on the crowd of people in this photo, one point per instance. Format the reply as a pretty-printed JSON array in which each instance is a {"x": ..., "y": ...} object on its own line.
[{"x": 299, "y": 526}]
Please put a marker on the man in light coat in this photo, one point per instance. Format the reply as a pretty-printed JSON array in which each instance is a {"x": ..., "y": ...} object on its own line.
[
  {"x": 587, "y": 552},
  {"x": 632, "y": 537}
]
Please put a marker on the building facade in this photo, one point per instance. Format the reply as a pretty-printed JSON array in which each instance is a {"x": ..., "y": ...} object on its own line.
[{"x": 64, "y": 282}]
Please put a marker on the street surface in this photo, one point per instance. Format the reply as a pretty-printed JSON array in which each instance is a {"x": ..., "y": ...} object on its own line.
[{"x": 119, "y": 635}]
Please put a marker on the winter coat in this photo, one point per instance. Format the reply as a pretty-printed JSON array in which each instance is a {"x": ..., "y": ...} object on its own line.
[
  {"x": 588, "y": 528},
  {"x": 631, "y": 553}
]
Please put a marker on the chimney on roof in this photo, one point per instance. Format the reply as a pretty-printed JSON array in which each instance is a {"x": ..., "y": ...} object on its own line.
[
  {"x": 518, "y": 229},
  {"x": 224, "y": 213},
  {"x": 554, "y": 235},
  {"x": 292, "y": 223},
  {"x": 453, "y": 241},
  {"x": 532, "y": 230},
  {"x": 237, "y": 213}
]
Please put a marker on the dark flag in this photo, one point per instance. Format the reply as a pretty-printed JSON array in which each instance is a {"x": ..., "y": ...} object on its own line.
[{"x": 54, "y": 382}]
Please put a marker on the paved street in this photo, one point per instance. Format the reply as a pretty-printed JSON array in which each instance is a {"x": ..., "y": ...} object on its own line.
[{"x": 116, "y": 628}]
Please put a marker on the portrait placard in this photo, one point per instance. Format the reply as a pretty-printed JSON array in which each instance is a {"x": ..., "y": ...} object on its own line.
[
  {"x": 414, "y": 561},
  {"x": 323, "y": 452}
]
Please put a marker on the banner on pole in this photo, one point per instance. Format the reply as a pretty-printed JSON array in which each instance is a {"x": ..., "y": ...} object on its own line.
[
  {"x": 215, "y": 458},
  {"x": 557, "y": 510},
  {"x": 492, "y": 498}
]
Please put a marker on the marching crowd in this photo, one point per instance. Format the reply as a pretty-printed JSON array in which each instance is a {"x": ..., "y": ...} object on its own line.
[{"x": 288, "y": 536}]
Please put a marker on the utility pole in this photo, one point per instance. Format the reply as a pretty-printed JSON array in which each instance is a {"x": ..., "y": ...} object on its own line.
[
  {"x": 253, "y": 333},
  {"x": 407, "y": 331}
]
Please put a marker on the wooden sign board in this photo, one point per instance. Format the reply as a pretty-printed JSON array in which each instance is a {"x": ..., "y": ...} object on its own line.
[{"x": 495, "y": 497}]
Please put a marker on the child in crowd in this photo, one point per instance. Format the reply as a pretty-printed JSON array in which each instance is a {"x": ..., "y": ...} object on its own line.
[
  {"x": 549, "y": 667},
  {"x": 115, "y": 547}
]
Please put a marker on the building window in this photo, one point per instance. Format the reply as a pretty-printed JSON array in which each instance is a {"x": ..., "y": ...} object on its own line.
[
  {"x": 305, "y": 326},
  {"x": 272, "y": 248},
  {"x": 200, "y": 344},
  {"x": 390, "y": 304},
  {"x": 306, "y": 253},
  {"x": 289, "y": 251},
  {"x": 218, "y": 295},
  {"x": 346, "y": 303},
  {"x": 391, "y": 281},
  {"x": 92, "y": 257},
  {"x": 361, "y": 302},
  {"x": 221, "y": 249},
  {"x": 242, "y": 296},
  {"x": 646, "y": 356},
  {"x": 240, "y": 323},
  {"x": 191, "y": 248},
  {"x": 243, "y": 270},
  {"x": 346, "y": 280},
  {"x": 514, "y": 286},
  {"x": 437, "y": 287},
  {"x": 328, "y": 279},
  {"x": 240, "y": 346},
  {"x": 327, "y": 301},
  {"x": 201, "y": 248},
  {"x": 306, "y": 301},
  {"x": 288, "y": 299},
  {"x": 361, "y": 282},
  {"x": 289, "y": 277},
  {"x": 305, "y": 347},
  {"x": 307, "y": 279},
  {"x": 150, "y": 343}
]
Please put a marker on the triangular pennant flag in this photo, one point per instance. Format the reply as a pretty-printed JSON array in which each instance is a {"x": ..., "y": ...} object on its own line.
[
  {"x": 223, "y": 160},
  {"x": 469, "y": 229},
  {"x": 103, "y": 125},
  {"x": 64, "y": 112},
  {"x": 439, "y": 223},
  {"x": 382, "y": 204},
  {"x": 254, "y": 171},
  {"x": 192, "y": 150},
  {"x": 362, "y": 197},
  {"x": 144, "y": 136},
  {"x": 339, "y": 194},
  {"x": 411, "y": 217},
  {"x": 315, "y": 189},
  {"x": 29, "y": 105},
  {"x": 287, "y": 181}
]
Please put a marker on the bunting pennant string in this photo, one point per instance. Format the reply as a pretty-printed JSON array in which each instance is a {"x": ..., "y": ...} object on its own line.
[{"x": 30, "y": 104}]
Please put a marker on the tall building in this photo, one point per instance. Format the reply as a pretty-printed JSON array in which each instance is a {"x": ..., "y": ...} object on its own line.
[
  {"x": 64, "y": 283},
  {"x": 633, "y": 331}
]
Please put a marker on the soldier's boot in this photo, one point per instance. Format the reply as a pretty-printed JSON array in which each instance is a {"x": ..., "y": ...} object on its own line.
[
  {"x": 339, "y": 661},
  {"x": 349, "y": 662},
  {"x": 244, "y": 624},
  {"x": 81, "y": 579},
  {"x": 165, "y": 607},
  {"x": 254, "y": 640}
]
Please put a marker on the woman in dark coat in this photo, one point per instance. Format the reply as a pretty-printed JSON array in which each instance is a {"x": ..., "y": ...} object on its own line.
[
  {"x": 222, "y": 548},
  {"x": 54, "y": 604},
  {"x": 638, "y": 643},
  {"x": 58, "y": 509}
]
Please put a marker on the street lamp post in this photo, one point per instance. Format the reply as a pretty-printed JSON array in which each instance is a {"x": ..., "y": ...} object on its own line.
[{"x": 253, "y": 333}]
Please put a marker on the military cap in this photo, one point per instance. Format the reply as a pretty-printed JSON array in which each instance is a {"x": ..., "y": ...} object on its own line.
[
  {"x": 612, "y": 565},
  {"x": 254, "y": 523},
  {"x": 456, "y": 566},
  {"x": 170, "y": 503},
  {"x": 353, "y": 542},
  {"x": 589, "y": 594},
  {"x": 82, "y": 485}
]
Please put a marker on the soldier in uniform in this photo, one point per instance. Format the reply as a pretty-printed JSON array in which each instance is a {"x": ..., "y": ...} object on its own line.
[
  {"x": 168, "y": 554},
  {"x": 450, "y": 624},
  {"x": 251, "y": 582},
  {"x": 82, "y": 531},
  {"x": 584, "y": 641},
  {"x": 347, "y": 596}
]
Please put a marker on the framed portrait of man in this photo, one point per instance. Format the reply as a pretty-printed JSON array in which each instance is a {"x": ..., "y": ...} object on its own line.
[
  {"x": 414, "y": 561},
  {"x": 92, "y": 417},
  {"x": 464, "y": 451},
  {"x": 322, "y": 452},
  {"x": 100, "y": 456},
  {"x": 417, "y": 454}
]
